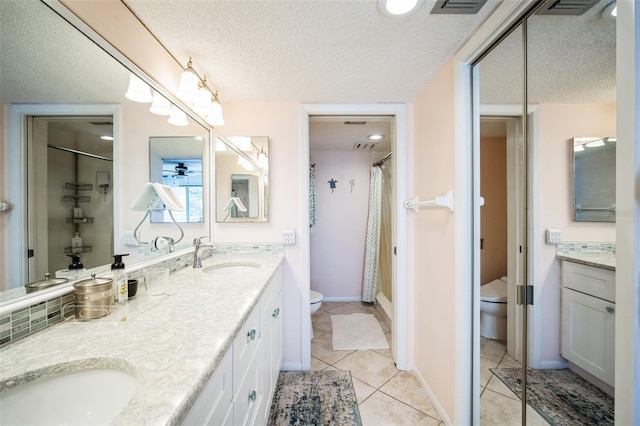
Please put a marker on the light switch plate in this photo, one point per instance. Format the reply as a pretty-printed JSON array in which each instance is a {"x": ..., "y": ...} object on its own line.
[
  {"x": 288, "y": 237},
  {"x": 129, "y": 240},
  {"x": 554, "y": 236}
]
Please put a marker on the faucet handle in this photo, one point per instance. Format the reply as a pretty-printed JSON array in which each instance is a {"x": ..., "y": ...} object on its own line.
[{"x": 197, "y": 241}]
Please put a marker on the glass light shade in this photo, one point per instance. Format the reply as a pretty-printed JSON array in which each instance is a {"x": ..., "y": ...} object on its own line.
[
  {"x": 400, "y": 7},
  {"x": 138, "y": 90},
  {"x": 202, "y": 105},
  {"x": 178, "y": 117},
  {"x": 263, "y": 162},
  {"x": 578, "y": 148},
  {"x": 215, "y": 116},
  {"x": 188, "y": 88},
  {"x": 242, "y": 142},
  {"x": 245, "y": 164},
  {"x": 220, "y": 146},
  {"x": 160, "y": 105}
]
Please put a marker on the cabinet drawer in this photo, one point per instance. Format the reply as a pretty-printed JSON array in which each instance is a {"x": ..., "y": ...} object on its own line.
[
  {"x": 590, "y": 280},
  {"x": 248, "y": 397},
  {"x": 245, "y": 346},
  {"x": 214, "y": 402}
]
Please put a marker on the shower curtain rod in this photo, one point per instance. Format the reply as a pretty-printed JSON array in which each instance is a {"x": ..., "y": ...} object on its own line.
[
  {"x": 75, "y": 151},
  {"x": 381, "y": 162}
]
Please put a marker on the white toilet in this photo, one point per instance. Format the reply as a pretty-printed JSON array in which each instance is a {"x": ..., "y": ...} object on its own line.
[
  {"x": 493, "y": 309},
  {"x": 315, "y": 298}
]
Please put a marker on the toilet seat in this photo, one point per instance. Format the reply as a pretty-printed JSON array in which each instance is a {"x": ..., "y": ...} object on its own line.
[
  {"x": 495, "y": 291},
  {"x": 315, "y": 297}
]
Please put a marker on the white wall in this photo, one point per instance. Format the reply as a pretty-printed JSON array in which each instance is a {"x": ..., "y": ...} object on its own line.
[{"x": 338, "y": 237}]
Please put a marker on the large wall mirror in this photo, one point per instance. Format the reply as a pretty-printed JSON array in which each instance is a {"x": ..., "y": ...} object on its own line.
[
  {"x": 594, "y": 179},
  {"x": 242, "y": 179},
  {"x": 84, "y": 161}
]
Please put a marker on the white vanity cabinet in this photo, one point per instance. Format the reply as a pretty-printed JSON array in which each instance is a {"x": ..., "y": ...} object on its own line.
[
  {"x": 241, "y": 389},
  {"x": 588, "y": 319}
]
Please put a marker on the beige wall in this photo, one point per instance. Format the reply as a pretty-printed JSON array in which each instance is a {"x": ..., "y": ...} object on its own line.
[
  {"x": 558, "y": 124},
  {"x": 433, "y": 235},
  {"x": 493, "y": 214}
]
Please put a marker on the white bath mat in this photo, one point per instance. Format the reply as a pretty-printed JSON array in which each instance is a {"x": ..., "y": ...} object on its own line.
[{"x": 357, "y": 331}]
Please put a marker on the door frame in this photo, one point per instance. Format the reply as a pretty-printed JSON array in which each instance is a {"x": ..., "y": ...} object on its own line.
[{"x": 401, "y": 321}]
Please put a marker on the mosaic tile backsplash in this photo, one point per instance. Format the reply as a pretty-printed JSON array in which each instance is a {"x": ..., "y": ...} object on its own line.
[
  {"x": 583, "y": 247},
  {"x": 30, "y": 319}
]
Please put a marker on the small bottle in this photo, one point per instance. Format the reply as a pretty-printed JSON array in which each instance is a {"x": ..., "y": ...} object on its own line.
[
  {"x": 76, "y": 244},
  {"x": 119, "y": 277}
]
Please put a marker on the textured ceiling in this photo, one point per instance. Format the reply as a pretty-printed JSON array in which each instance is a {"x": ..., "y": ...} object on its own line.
[{"x": 309, "y": 51}]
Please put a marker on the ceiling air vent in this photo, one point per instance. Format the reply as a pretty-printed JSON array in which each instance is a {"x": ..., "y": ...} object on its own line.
[
  {"x": 101, "y": 123},
  {"x": 457, "y": 7},
  {"x": 364, "y": 146},
  {"x": 566, "y": 7},
  {"x": 355, "y": 123}
]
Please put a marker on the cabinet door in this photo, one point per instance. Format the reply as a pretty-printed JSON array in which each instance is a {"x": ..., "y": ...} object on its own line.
[
  {"x": 214, "y": 402},
  {"x": 588, "y": 334},
  {"x": 276, "y": 339}
]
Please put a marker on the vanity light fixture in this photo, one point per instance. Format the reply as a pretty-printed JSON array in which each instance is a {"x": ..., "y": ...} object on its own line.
[
  {"x": 220, "y": 146},
  {"x": 375, "y": 137},
  {"x": 242, "y": 142},
  {"x": 138, "y": 90},
  {"x": 215, "y": 116},
  {"x": 263, "y": 161},
  {"x": 178, "y": 117},
  {"x": 189, "y": 81},
  {"x": 160, "y": 105},
  {"x": 202, "y": 105},
  {"x": 578, "y": 148}
]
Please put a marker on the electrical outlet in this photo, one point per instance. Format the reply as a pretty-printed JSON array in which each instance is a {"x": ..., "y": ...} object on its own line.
[
  {"x": 554, "y": 236},
  {"x": 288, "y": 237},
  {"x": 129, "y": 240}
]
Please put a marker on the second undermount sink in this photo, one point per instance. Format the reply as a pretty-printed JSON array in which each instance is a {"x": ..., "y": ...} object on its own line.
[
  {"x": 231, "y": 268},
  {"x": 83, "y": 397}
]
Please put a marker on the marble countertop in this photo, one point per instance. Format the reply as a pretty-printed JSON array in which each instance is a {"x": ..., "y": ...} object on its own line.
[
  {"x": 171, "y": 343},
  {"x": 599, "y": 260}
]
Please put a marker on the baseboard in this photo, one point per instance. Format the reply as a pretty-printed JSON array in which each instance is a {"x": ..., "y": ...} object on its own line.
[
  {"x": 291, "y": 366},
  {"x": 341, "y": 299},
  {"x": 434, "y": 401}
]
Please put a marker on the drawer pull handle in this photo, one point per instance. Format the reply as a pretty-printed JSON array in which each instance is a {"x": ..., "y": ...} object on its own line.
[
  {"x": 251, "y": 335},
  {"x": 275, "y": 313},
  {"x": 610, "y": 309},
  {"x": 252, "y": 396}
]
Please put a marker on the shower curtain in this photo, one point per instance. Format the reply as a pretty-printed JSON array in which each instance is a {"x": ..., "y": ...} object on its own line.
[{"x": 372, "y": 242}]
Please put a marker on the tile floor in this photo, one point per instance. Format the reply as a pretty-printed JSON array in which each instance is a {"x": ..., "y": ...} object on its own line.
[
  {"x": 386, "y": 396},
  {"x": 498, "y": 405}
]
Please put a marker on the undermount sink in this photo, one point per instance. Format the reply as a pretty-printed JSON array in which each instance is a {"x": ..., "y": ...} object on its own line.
[
  {"x": 229, "y": 269},
  {"x": 82, "y": 397}
]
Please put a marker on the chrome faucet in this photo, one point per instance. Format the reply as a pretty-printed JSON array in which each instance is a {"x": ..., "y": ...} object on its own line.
[{"x": 197, "y": 243}]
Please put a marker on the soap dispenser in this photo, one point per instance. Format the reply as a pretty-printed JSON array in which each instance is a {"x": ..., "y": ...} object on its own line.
[
  {"x": 76, "y": 268},
  {"x": 119, "y": 277}
]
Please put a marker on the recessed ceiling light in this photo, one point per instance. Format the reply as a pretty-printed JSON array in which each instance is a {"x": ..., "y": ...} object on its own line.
[
  {"x": 106, "y": 138},
  {"x": 375, "y": 137},
  {"x": 399, "y": 7}
]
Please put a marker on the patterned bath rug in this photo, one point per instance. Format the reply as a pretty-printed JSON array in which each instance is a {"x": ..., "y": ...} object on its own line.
[
  {"x": 314, "y": 398},
  {"x": 561, "y": 397},
  {"x": 356, "y": 331}
]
